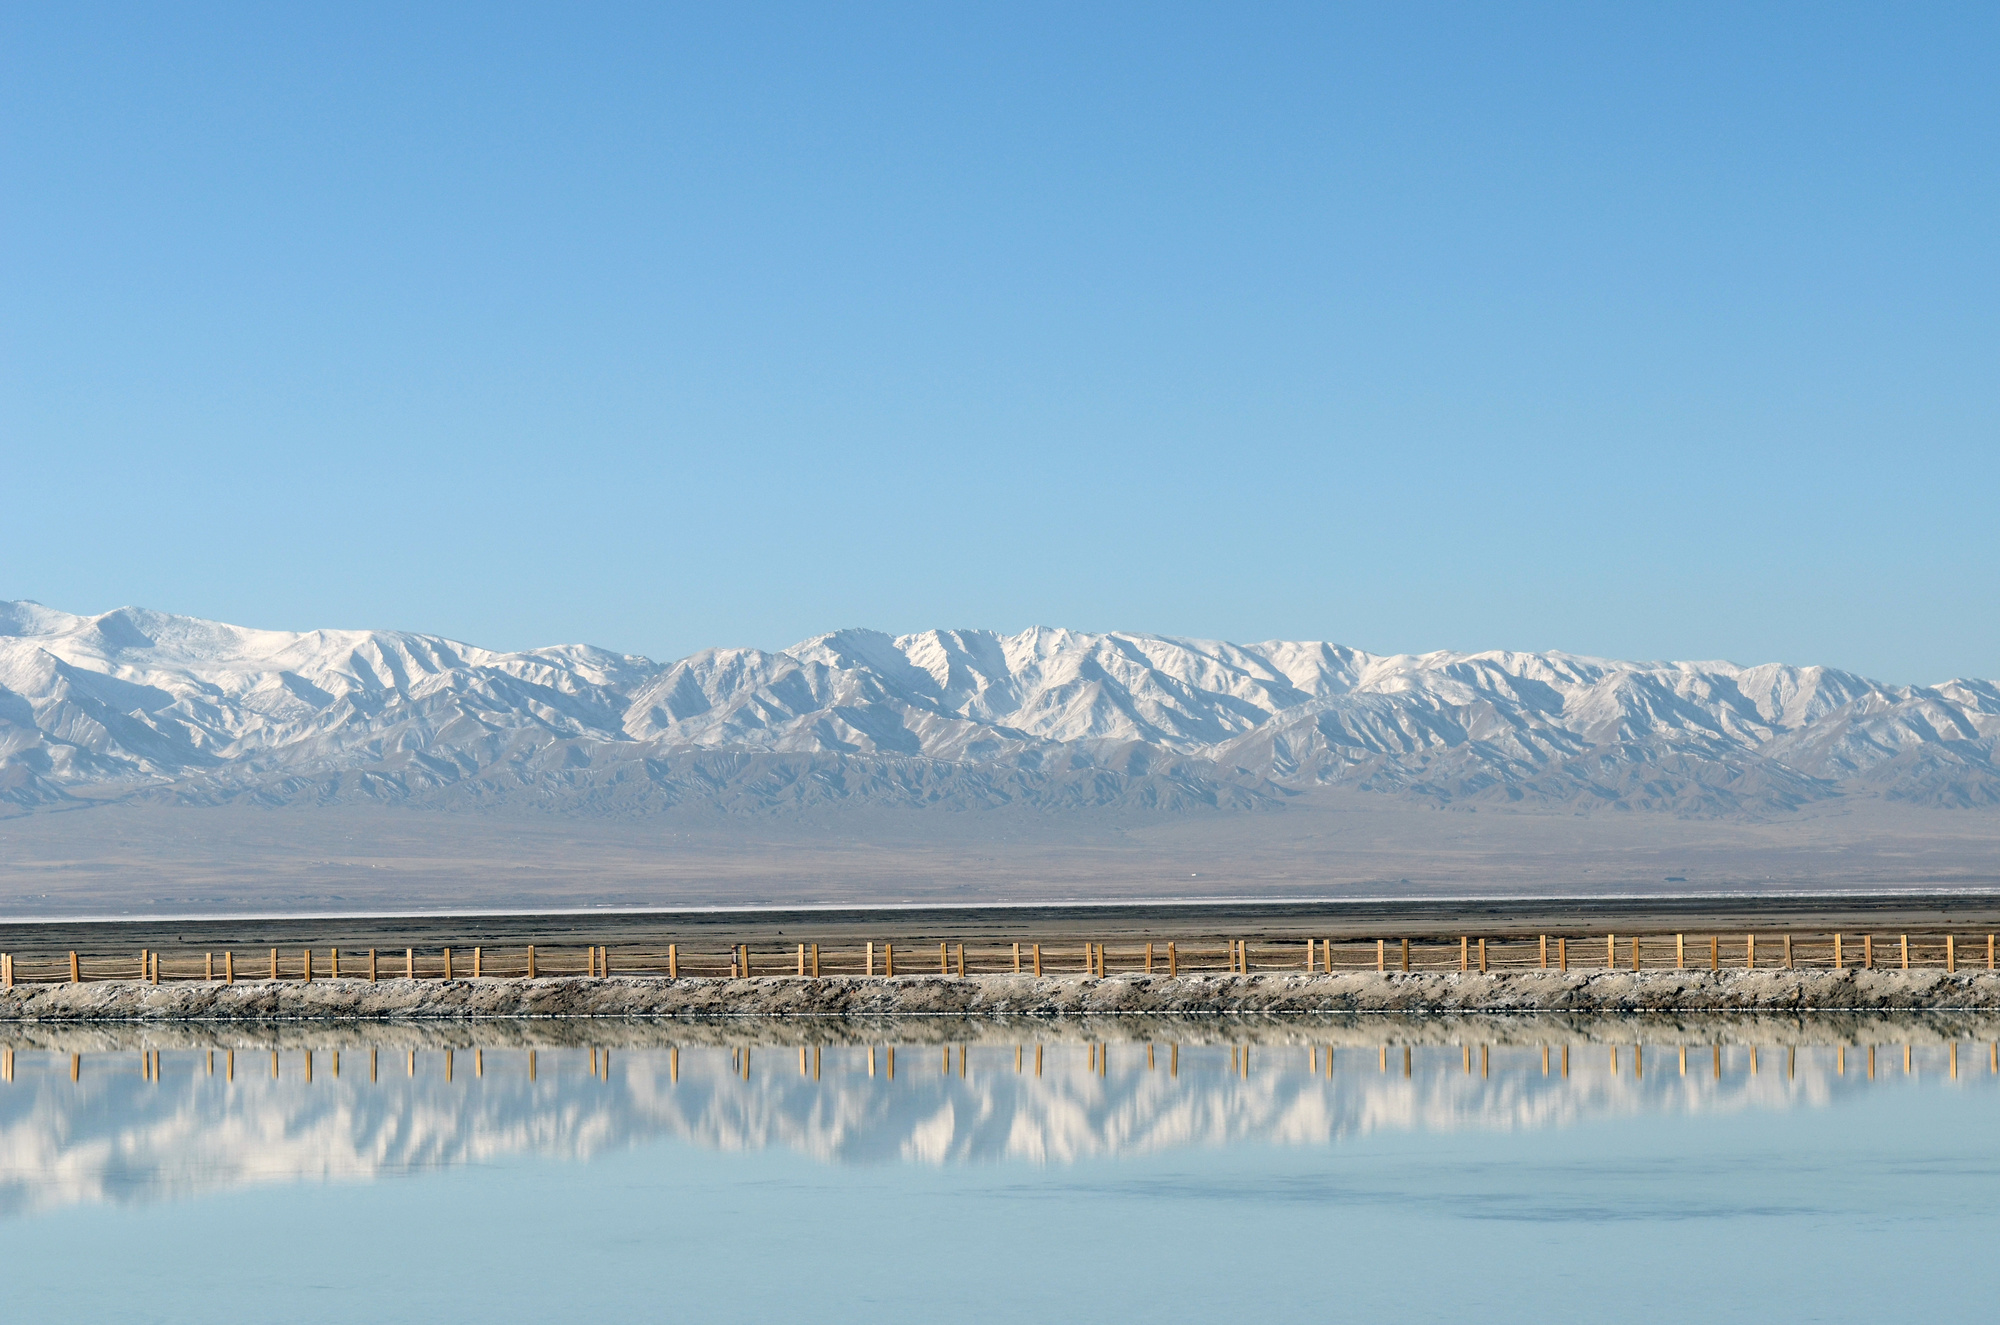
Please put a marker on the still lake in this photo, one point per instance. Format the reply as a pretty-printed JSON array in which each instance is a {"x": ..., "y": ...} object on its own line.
[{"x": 1428, "y": 1170}]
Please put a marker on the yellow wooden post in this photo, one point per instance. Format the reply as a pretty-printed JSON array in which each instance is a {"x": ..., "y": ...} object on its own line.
[
  {"x": 802, "y": 975},
  {"x": 1906, "y": 952},
  {"x": 1149, "y": 958},
  {"x": 274, "y": 963},
  {"x": 871, "y": 957},
  {"x": 1038, "y": 963},
  {"x": 1545, "y": 966},
  {"x": 75, "y": 974},
  {"x": 1714, "y": 952},
  {"x": 447, "y": 963},
  {"x": 889, "y": 968},
  {"x": 1381, "y": 954},
  {"x": 1867, "y": 952},
  {"x": 1838, "y": 963},
  {"x": 1749, "y": 952},
  {"x": 1311, "y": 952},
  {"x": 1562, "y": 953},
  {"x": 1635, "y": 952},
  {"x": 478, "y": 963},
  {"x": 1406, "y": 955},
  {"x": 944, "y": 960},
  {"x": 1951, "y": 964},
  {"x": 1463, "y": 945},
  {"x": 961, "y": 961},
  {"x": 1482, "y": 960},
  {"x": 815, "y": 975},
  {"x": 1788, "y": 951},
  {"x": 306, "y": 961},
  {"x": 1611, "y": 951},
  {"x": 1989, "y": 952},
  {"x": 207, "y": 966},
  {"x": 1017, "y": 959},
  {"x": 145, "y": 964},
  {"x": 1173, "y": 960},
  {"x": 1680, "y": 952}
]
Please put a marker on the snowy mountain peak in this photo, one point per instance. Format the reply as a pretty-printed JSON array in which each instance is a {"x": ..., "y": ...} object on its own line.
[{"x": 140, "y": 703}]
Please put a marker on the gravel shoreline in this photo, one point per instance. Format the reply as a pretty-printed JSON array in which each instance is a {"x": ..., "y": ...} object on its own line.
[{"x": 1598, "y": 991}]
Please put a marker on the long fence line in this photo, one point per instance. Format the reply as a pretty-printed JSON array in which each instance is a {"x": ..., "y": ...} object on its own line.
[
  {"x": 1555, "y": 1059},
  {"x": 1431, "y": 953}
]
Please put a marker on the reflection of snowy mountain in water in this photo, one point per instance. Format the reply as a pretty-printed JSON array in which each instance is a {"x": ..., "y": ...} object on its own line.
[{"x": 115, "y": 1135}]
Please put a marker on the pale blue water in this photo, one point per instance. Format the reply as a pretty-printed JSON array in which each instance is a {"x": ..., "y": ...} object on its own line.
[{"x": 1277, "y": 1193}]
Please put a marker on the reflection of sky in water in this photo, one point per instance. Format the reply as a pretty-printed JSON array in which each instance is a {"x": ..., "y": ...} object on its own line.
[{"x": 773, "y": 1179}]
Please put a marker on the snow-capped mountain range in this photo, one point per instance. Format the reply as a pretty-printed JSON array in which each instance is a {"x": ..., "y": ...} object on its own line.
[{"x": 135, "y": 703}]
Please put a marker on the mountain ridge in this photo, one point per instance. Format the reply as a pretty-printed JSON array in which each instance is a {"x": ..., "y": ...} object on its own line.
[{"x": 138, "y": 704}]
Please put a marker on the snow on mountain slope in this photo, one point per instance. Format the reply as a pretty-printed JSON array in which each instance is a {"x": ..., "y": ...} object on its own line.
[{"x": 140, "y": 703}]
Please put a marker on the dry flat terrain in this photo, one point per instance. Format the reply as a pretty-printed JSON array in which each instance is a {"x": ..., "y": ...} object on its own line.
[{"x": 134, "y": 860}]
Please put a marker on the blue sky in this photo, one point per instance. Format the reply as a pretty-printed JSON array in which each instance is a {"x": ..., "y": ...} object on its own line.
[{"x": 1653, "y": 331}]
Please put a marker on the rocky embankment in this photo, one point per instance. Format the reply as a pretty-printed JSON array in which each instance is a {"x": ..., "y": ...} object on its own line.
[{"x": 1010, "y": 995}]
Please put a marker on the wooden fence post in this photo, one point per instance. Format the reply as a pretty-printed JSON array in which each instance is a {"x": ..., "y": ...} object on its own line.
[
  {"x": 1406, "y": 955},
  {"x": 1867, "y": 952},
  {"x": 1906, "y": 952},
  {"x": 1482, "y": 957},
  {"x": 1562, "y": 953},
  {"x": 871, "y": 957},
  {"x": 409, "y": 963},
  {"x": 1611, "y": 951},
  {"x": 802, "y": 975},
  {"x": 961, "y": 961},
  {"x": 333, "y": 963},
  {"x": 1714, "y": 952},
  {"x": 1749, "y": 952},
  {"x": 1545, "y": 964},
  {"x": 1149, "y": 957},
  {"x": 889, "y": 963},
  {"x": 1463, "y": 944},
  {"x": 815, "y": 969},
  {"x": 274, "y": 963},
  {"x": 371, "y": 966},
  {"x": 1635, "y": 952},
  {"x": 1788, "y": 951},
  {"x": 1038, "y": 961},
  {"x": 1017, "y": 959},
  {"x": 1381, "y": 954},
  {"x": 944, "y": 960},
  {"x": 674, "y": 961},
  {"x": 306, "y": 960},
  {"x": 145, "y": 966},
  {"x": 1951, "y": 959},
  {"x": 1838, "y": 964},
  {"x": 1680, "y": 952},
  {"x": 478, "y": 963},
  {"x": 229, "y": 966},
  {"x": 75, "y": 974}
]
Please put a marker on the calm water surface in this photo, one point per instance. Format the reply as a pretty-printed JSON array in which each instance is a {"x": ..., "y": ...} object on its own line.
[{"x": 1495, "y": 1171}]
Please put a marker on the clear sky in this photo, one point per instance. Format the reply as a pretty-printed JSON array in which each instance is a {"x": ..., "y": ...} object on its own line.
[{"x": 1645, "y": 330}]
